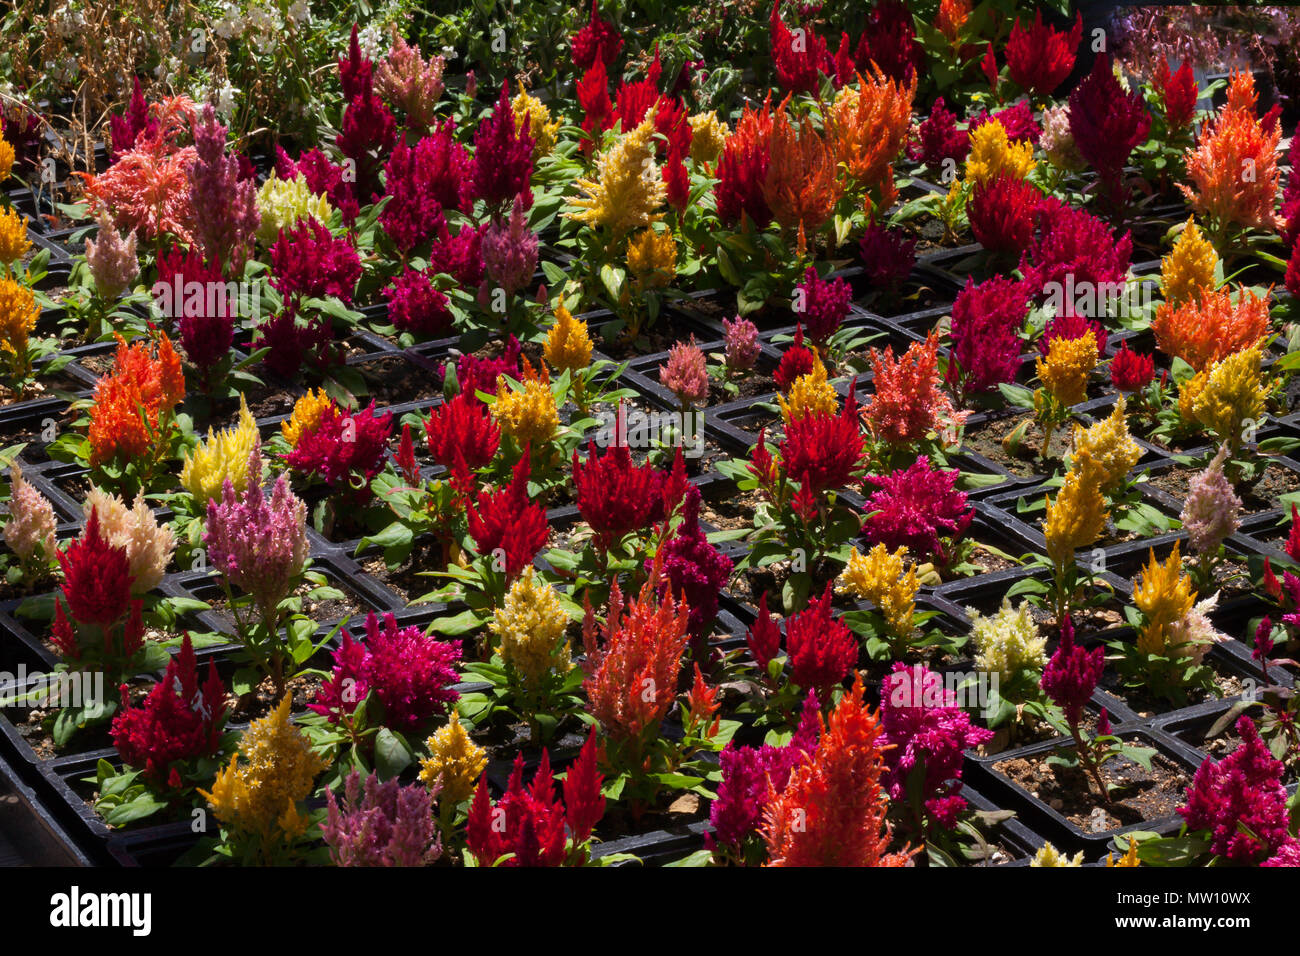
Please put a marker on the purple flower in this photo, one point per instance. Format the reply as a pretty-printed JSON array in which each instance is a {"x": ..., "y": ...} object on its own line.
[
  {"x": 225, "y": 207},
  {"x": 693, "y": 568},
  {"x": 476, "y": 374},
  {"x": 1073, "y": 249},
  {"x": 413, "y": 214},
  {"x": 939, "y": 139},
  {"x": 887, "y": 257},
  {"x": 503, "y": 157},
  {"x": 459, "y": 256},
  {"x": 985, "y": 331},
  {"x": 414, "y": 305},
  {"x": 259, "y": 545},
  {"x": 825, "y": 305},
  {"x": 410, "y": 673},
  {"x": 1017, "y": 120},
  {"x": 391, "y": 825},
  {"x": 1071, "y": 675},
  {"x": 748, "y": 776},
  {"x": 308, "y": 261},
  {"x": 510, "y": 250}
]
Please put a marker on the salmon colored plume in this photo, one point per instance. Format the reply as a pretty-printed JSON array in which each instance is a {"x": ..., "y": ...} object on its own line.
[
  {"x": 1233, "y": 167},
  {"x": 1208, "y": 329},
  {"x": 832, "y": 810},
  {"x": 869, "y": 127},
  {"x": 142, "y": 380},
  {"x": 909, "y": 401},
  {"x": 633, "y": 670},
  {"x": 801, "y": 187}
]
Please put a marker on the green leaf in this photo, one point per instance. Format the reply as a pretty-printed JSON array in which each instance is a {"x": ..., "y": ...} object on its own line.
[
  {"x": 461, "y": 623},
  {"x": 698, "y": 858},
  {"x": 142, "y": 806},
  {"x": 392, "y": 754}
]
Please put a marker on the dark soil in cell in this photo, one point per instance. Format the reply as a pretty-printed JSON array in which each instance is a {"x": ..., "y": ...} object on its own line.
[
  {"x": 1137, "y": 794},
  {"x": 619, "y": 822},
  {"x": 264, "y": 401},
  {"x": 731, "y": 512},
  {"x": 749, "y": 385},
  {"x": 1029, "y": 731},
  {"x": 1262, "y": 494},
  {"x": 406, "y": 580},
  {"x": 393, "y": 381},
  {"x": 1148, "y": 705},
  {"x": 262, "y": 699},
  {"x": 1225, "y": 743},
  {"x": 912, "y": 297},
  {"x": 58, "y": 385},
  {"x": 31, "y": 725},
  {"x": 987, "y": 439},
  {"x": 318, "y": 611}
]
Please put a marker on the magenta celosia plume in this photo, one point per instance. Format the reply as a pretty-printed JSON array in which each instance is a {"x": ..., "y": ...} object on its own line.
[
  {"x": 410, "y": 673},
  {"x": 416, "y": 306},
  {"x": 1241, "y": 801},
  {"x": 918, "y": 507},
  {"x": 1072, "y": 673},
  {"x": 225, "y": 207},
  {"x": 308, "y": 261},
  {"x": 987, "y": 320},
  {"x": 825, "y": 305},
  {"x": 1107, "y": 123},
  {"x": 924, "y": 728},
  {"x": 503, "y": 157},
  {"x": 751, "y": 775}
]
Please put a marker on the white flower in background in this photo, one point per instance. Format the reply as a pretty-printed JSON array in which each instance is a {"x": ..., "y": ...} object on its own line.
[
  {"x": 167, "y": 69},
  {"x": 231, "y": 24},
  {"x": 370, "y": 38},
  {"x": 68, "y": 21},
  {"x": 300, "y": 11},
  {"x": 225, "y": 99}
]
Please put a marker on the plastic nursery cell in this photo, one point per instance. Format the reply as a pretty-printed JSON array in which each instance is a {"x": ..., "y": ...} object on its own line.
[
  {"x": 1192, "y": 726},
  {"x": 360, "y": 597},
  {"x": 1167, "y": 482},
  {"x": 1156, "y": 794},
  {"x": 392, "y": 379},
  {"x": 32, "y": 834}
]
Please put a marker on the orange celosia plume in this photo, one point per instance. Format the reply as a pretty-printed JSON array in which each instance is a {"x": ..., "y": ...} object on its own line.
[
  {"x": 1207, "y": 329},
  {"x": 1233, "y": 167},
  {"x": 832, "y": 810},
  {"x": 633, "y": 671},
  {"x": 141, "y": 382},
  {"x": 869, "y": 127},
  {"x": 953, "y": 15},
  {"x": 801, "y": 187}
]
